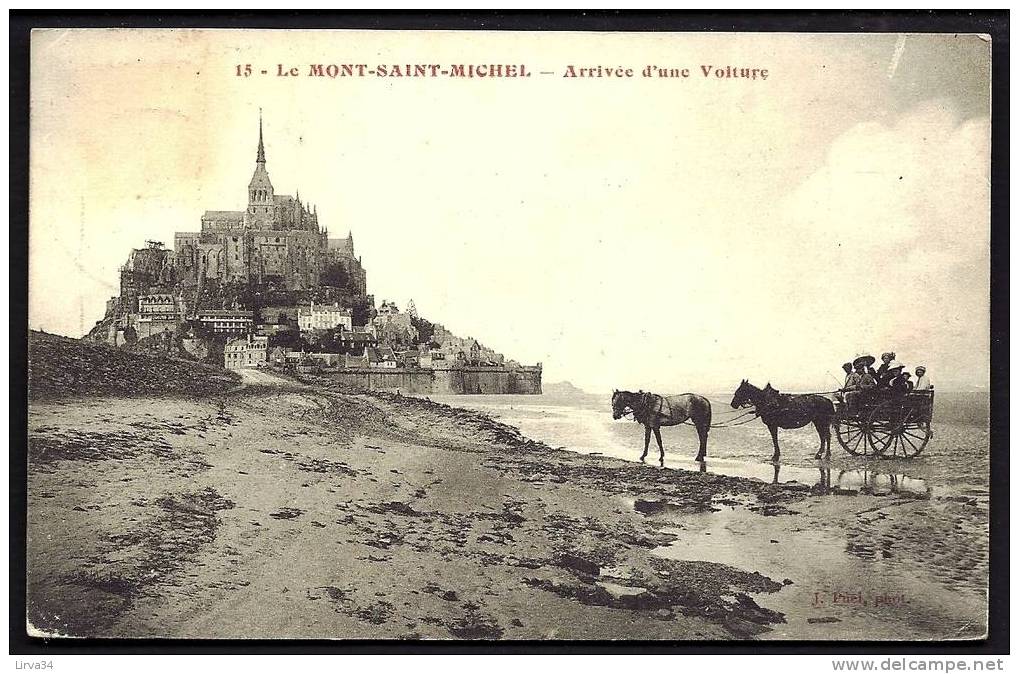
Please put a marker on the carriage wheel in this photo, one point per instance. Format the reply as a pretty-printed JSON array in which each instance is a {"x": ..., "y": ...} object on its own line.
[
  {"x": 898, "y": 430},
  {"x": 853, "y": 434}
]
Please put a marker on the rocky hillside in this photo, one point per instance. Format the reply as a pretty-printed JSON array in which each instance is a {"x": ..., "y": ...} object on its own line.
[{"x": 59, "y": 366}]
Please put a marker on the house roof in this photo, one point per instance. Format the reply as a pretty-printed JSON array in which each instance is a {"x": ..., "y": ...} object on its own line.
[
  {"x": 380, "y": 353},
  {"x": 323, "y": 309},
  {"x": 223, "y": 215},
  {"x": 357, "y": 336},
  {"x": 225, "y": 313}
]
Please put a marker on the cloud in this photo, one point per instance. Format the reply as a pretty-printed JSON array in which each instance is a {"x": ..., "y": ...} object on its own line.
[{"x": 899, "y": 217}]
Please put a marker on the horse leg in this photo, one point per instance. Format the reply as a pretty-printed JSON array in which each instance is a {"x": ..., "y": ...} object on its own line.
[
  {"x": 774, "y": 440},
  {"x": 827, "y": 440},
  {"x": 661, "y": 449},
  {"x": 824, "y": 434},
  {"x": 820, "y": 436},
  {"x": 702, "y": 435},
  {"x": 647, "y": 441}
]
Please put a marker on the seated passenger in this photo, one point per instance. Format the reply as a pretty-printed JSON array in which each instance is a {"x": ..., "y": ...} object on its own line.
[
  {"x": 848, "y": 367},
  {"x": 856, "y": 383},
  {"x": 923, "y": 382},
  {"x": 889, "y": 369},
  {"x": 901, "y": 384},
  {"x": 867, "y": 381}
]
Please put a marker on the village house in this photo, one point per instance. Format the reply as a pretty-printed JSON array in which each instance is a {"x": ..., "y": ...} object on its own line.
[
  {"x": 381, "y": 356},
  {"x": 408, "y": 358},
  {"x": 430, "y": 358},
  {"x": 326, "y": 359},
  {"x": 295, "y": 357},
  {"x": 157, "y": 313},
  {"x": 225, "y": 321},
  {"x": 247, "y": 352},
  {"x": 324, "y": 317},
  {"x": 273, "y": 330},
  {"x": 393, "y": 325},
  {"x": 351, "y": 361},
  {"x": 277, "y": 356},
  {"x": 355, "y": 341}
]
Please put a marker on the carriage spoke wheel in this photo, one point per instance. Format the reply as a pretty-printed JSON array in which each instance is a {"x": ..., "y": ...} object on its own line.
[
  {"x": 851, "y": 433},
  {"x": 897, "y": 430}
]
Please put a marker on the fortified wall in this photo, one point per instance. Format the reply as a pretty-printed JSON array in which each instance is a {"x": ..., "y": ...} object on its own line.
[{"x": 465, "y": 380}]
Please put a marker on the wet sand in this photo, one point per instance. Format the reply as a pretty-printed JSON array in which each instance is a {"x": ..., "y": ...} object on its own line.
[{"x": 283, "y": 509}]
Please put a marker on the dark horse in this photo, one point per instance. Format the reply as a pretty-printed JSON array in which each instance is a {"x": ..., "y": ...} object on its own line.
[
  {"x": 782, "y": 410},
  {"x": 655, "y": 411}
]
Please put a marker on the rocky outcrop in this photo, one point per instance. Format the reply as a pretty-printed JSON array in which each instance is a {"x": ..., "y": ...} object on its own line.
[{"x": 61, "y": 366}]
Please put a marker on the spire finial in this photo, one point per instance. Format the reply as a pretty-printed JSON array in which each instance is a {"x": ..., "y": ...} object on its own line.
[{"x": 261, "y": 149}]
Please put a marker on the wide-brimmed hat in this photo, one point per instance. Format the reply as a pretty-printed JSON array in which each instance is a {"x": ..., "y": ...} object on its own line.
[
  {"x": 865, "y": 361},
  {"x": 889, "y": 354},
  {"x": 921, "y": 367}
]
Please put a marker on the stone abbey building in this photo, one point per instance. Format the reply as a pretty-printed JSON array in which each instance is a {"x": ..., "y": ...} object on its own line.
[
  {"x": 276, "y": 240},
  {"x": 275, "y": 245}
]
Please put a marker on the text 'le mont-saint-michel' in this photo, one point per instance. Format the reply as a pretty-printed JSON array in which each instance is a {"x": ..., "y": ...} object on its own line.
[{"x": 501, "y": 70}]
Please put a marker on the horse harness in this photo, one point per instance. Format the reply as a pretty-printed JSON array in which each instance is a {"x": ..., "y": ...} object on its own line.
[{"x": 647, "y": 403}]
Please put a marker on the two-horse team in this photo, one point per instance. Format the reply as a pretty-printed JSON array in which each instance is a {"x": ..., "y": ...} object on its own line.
[{"x": 777, "y": 410}]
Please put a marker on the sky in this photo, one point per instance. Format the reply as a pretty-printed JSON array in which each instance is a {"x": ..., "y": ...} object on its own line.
[{"x": 665, "y": 234}]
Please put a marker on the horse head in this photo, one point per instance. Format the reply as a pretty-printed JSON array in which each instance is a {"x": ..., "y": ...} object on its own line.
[
  {"x": 620, "y": 401},
  {"x": 741, "y": 398},
  {"x": 771, "y": 394}
]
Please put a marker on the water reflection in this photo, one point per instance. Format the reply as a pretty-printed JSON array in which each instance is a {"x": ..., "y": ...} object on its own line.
[
  {"x": 864, "y": 481},
  {"x": 867, "y": 481},
  {"x": 825, "y": 480}
]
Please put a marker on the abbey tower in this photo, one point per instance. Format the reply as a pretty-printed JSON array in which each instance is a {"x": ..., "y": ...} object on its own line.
[{"x": 276, "y": 240}]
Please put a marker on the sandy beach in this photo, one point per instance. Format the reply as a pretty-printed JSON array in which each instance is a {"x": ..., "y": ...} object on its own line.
[{"x": 285, "y": 509}]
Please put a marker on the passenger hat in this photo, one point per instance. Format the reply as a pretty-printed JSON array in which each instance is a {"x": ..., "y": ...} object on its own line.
[{"x": 865, "y": 361}]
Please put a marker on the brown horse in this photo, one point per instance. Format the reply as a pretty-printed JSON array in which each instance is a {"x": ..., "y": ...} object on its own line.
[
  {"x": 783, "y": 410},
  {"x": 655, "y": 411}
]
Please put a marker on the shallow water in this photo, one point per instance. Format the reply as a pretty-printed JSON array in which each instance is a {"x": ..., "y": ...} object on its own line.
[
  {"x": 895, "y": 593},
  {"x": 955, "y": 461},
  {"x": 847, "y": 597}
]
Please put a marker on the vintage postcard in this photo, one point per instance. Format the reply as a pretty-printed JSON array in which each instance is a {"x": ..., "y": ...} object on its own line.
[{"x": 345, "y": 334}]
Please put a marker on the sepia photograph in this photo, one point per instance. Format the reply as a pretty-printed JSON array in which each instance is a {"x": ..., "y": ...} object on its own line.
[{"x": 508, "y": 335}]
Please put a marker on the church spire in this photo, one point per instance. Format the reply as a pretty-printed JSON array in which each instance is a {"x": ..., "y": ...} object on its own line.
[
  {"x": 261, "y": 199},
  {"x": 261, "y": 149}
]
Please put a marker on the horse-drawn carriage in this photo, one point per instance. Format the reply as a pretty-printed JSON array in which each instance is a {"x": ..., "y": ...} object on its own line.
[
  {"x": 882, "y": 423},
  {"x": 885, "y": 424}
]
